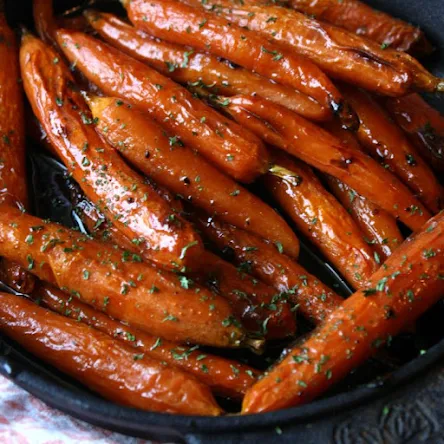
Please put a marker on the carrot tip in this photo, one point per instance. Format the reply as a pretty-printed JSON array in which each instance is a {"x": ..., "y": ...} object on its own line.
[
  {"x": 257, "y": 346},
  {"x": 440, "y": 86},
  {"x": 285, "y": 174}
]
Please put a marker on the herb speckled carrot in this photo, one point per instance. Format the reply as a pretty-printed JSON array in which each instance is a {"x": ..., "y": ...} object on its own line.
[
  {"x": 224, "y": 376},
  {"x": 118, "y": 282},
  {"x": 135, "y": 207},
  {"x": 102, "y": 363},
  {"x": 409, "y": 283}
]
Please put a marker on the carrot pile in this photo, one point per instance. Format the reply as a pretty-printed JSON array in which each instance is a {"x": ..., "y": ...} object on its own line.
[{"x": 206, "y": 139}]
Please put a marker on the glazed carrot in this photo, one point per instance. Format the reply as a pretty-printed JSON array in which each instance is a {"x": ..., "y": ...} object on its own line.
[
  {"x": 137, "y": 210},
  {"x": 410, "y": 283},
  {"x": 146, "y": 145},
  {"x": 378, "y": 225},
  {"x": 423, "y": 124},
  {"x": 340, "y": 53},
  {"x": 224, "y": 376},
  {"x": 322, "y": 219},
  {"x": 282, "y": 128},
  {"x": 257, "y": 305},
  {"x": 314, "y": 299},
  {"x": 103, "y": 364},
  {"x": 198, "y": 70},
  {"x": 232, "y": 149},
  {"x": 13, "y": 189},
  {"x": 118, "y": 282},
  {"x": 253, "y": 302},
  {"x": 365, "y": 21},
  {"x": 385, "y": 141},
  {"x": 45, "y": 22},
  {"x": 209, "y": 33}
]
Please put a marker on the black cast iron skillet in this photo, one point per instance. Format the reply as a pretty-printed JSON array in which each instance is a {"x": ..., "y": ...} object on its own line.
[{"x": 397, "y": 401}]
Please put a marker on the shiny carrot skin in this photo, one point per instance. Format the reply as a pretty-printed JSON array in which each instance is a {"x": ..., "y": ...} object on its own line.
[
  {"x": 253, "y": 302},
  {"x": 146, "y": 145},
  {"x": 102, "y": 363},
  {"x": 257, "y": 305},
  {"x": 13, "y": 188},
  {"x": 179, "y": 23},
  {"x": 409, "y": 284},
  {"x": 340, "y": 53},
  {"x": 385, "y": 141},
  {"x": 286, "y": 130},
  {"x": 224, "y": 376},
  {"x": 314, "y": 299},
  {"x": 137, "y": 210},
  {"x": 232, "y": 149},
  {"x": 365, "y": 21},
  {"x": 45, "y": 22},
  {"x": 322, "y": 219},
  {"x": 380, "y": 227},
  {"x": 423, "y": 124},
  {"x": 118, "y": 282},
  {"x": 198, "y": 70}
]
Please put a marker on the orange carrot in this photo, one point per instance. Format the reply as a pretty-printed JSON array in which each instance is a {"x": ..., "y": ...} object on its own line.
[{"x": 410, "y": 282}]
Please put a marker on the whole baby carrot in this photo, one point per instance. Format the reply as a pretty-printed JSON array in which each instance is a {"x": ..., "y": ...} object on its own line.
[
  {"x": 322, "y": 219},
  {"x": 313, "y": 299},
  {"x": 118, "y": 282},
  {"x": 224, "y": 376},
  {"x": 410, "y": 282},
  {"x": 286, "y": 130},
  {"x": 209, "y": 33},
  {"x": 13, "y": 188},
  {"x": 197, "y": 70},
  {"x": 135, "y": 207},
  {"x": 231, "y": 148},
  {"x": 103, "y": 364}
]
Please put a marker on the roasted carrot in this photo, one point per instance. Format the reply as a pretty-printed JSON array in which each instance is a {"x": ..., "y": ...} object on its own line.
[
  {"x": 365, "y": 21},
  {"x": 136, "y": 209},
  {"x": 385, "y": 141},
  {"x": 234, "y": 150},
  {"x": 118, "y": 282},
  {"x": 340, "y": 53},
  {"x": 146, "y": 145},
  {"x": 209, "y": 33},
  {"x": 254, "y": 303},
  {"x": 280, "y": 127},
  {"x": 224, "y": 376},
  {"x": 265, "y": 261},
  {"x": 103, "y": 364},
  {"x": 322, "y": 219},
  {"x": 259, "y": 307},
  {"x": 199, "y": 71},
  {"x": 378, "y": 225},
  {"x": 423, "y": 124},
  {"x": 13, "y": 188},
  {"x": 410, "y": 283}
]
